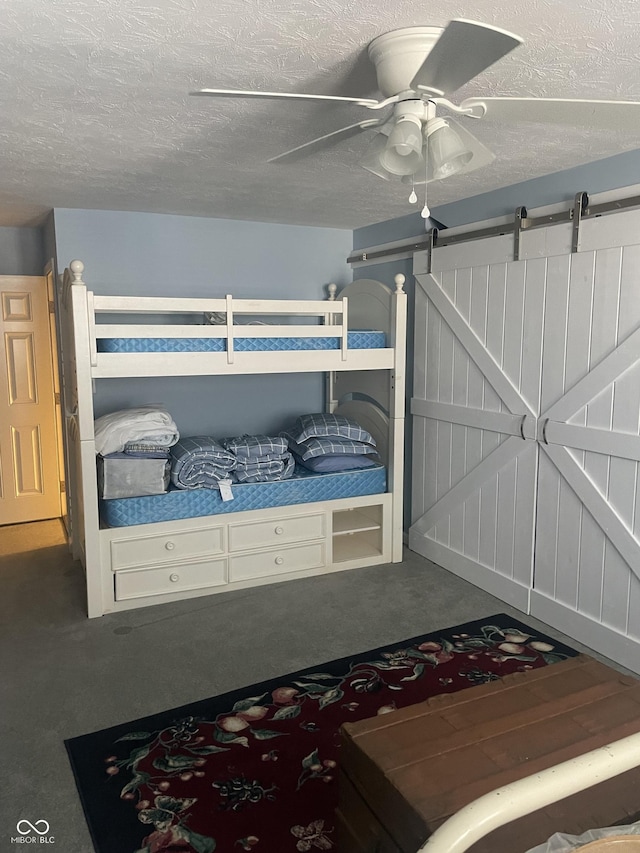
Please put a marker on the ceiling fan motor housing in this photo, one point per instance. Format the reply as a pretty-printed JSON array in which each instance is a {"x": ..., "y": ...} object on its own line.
[{"x": 398, "y": 55}]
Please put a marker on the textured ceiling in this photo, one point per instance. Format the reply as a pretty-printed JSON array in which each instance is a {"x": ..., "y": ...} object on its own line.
[{"x": 94, "y": 110}]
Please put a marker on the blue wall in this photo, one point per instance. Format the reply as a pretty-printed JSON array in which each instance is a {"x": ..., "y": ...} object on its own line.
[
  {"x": 153, "y": 254},
  {"x": 22, "y": 251},
  {"x": 49, "y": 239},
  {"x": 144, "y": 253},
  {"x": 393, "y": 229},
  {"x": 621, "y": 170}
]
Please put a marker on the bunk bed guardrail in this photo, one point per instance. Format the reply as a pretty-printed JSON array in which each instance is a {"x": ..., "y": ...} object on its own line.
[{"x": 320, "y": 318}]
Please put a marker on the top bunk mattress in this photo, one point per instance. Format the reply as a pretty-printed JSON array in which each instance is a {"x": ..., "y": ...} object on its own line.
[
  {"x": 303, "y": 487},
  {"x": 357, "y": 339}
]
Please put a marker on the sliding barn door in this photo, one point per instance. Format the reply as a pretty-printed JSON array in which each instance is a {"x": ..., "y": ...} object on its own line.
[
  {"x": 587, "y": 565},
  {"x": 526, "y": 477},
  {"x": 478, "y": 347}
]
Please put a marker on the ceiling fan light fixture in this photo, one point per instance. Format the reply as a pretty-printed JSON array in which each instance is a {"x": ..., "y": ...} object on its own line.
[
  {"x": 480, "y": 155},
  {"x": 447, "y": 152},
  {"x": 402, "y": 154}
]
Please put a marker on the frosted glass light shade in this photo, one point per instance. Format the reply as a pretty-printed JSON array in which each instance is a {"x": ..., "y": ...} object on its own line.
[
  {"x": 371, "y": 159},
  {"x": 402, "y": 154},
  {"x": 447, "y": 152},
  {"x": 480, "y": 154}
]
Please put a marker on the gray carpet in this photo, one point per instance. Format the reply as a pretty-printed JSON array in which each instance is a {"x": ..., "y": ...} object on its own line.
[{"x": 65, "y": 675}]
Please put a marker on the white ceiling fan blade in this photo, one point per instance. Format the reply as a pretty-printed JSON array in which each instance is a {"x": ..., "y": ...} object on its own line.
[
  {"x": 329, "y": 138},
  {"x": 292, "y": 96},
  {"x": 463, "y": 50},
  {"x": 611, "y": 115}
]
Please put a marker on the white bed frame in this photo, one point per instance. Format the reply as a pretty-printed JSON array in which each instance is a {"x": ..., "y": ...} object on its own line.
[
  {"x": 147, "y": 564},
  {"x": 534, "y": 792}
]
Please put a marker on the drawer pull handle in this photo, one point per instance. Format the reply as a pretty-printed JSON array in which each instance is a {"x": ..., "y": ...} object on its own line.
[
  {"x": 279, "y": 561},
  {"x": 279, "y": 530},
  {"x": 174, "y": 578},
  {"x": 170, "y": 546}
]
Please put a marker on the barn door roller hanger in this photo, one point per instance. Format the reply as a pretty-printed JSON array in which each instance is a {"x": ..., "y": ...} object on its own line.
[{"x": 580, "y": 211}]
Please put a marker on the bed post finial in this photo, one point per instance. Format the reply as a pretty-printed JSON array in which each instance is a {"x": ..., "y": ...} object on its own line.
[
  {"x": 77, "y": 268},
  {"x": 399, "y": 280},
  {"x": 332, "y": 288}
]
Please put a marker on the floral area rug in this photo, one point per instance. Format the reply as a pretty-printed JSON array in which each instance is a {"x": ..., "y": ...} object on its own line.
[{"x": 256, "y": 769}]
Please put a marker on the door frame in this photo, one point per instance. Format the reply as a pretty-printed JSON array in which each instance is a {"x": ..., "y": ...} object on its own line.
[{"x": 50, "y": 279}]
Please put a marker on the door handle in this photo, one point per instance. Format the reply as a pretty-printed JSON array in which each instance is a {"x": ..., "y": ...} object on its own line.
[
  {"x": 524, "y": 417},
  {"x": 544, "y": 430}
]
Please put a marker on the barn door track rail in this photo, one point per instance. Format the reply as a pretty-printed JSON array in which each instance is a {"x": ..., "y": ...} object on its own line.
[{"x": 437, "y": 238}]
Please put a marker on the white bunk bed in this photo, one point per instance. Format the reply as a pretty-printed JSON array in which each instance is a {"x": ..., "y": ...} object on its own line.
[{"x": 159, "y": 561}]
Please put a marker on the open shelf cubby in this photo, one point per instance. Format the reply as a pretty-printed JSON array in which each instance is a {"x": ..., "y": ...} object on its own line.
[{"x": 357, "y": 533}]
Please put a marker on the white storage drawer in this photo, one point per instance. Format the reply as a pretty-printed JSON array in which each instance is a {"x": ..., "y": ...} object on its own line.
[
  {"x": 138, "y": 583},
  {"x": 167, "y": 548},
  {"x": 296, "y": 559},
  {"x": 258, "y": 534}
]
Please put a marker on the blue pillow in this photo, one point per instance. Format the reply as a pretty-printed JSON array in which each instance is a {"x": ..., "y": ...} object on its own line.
[
  {"x": 336, "y": 462},
  {"x": 326, "y": 424},
  {"x": 328, "y": 446}
]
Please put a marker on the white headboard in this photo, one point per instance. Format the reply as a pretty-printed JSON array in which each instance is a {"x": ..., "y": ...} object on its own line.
[
  {"x": 371, "y": 418},
  {"x": 370, "y": 304}
]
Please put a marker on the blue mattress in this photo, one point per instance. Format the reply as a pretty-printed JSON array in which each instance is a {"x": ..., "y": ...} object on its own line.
[
  {"x": 304, "y": 487},
  {"x": 355, "y": 340}
]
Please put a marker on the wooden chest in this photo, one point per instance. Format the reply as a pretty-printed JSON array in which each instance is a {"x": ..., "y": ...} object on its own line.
[{"x": 404, "y": 773}]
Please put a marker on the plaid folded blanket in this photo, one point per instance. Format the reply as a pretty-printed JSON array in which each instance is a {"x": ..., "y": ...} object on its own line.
[
  {"x": 200, "y": 462},
  {"x": 256, "y": 446},
  {"x": 265, "y": 472}
]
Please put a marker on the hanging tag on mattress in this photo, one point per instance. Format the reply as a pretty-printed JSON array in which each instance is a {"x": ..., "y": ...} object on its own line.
[{"x": 225, "y": 490}]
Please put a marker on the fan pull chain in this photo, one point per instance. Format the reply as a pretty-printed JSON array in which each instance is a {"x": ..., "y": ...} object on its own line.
[
  {"x": 425, "y": 213},
  {"x": 413, "y": 198}
]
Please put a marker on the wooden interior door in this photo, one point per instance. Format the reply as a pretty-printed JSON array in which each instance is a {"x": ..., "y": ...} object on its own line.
[{"x": 29, "y": 472}]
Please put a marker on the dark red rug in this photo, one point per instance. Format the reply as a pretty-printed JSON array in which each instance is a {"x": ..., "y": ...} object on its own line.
[{"x": 256, "y": 769}]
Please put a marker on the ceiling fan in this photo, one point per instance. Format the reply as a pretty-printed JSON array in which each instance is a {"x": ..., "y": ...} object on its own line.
[{"x": 417, "y": 68}]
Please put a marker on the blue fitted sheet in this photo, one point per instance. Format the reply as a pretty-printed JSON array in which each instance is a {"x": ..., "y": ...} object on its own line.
[
  {"x": 304, "y": 487},
  {"x": 355, "y": 340}
]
